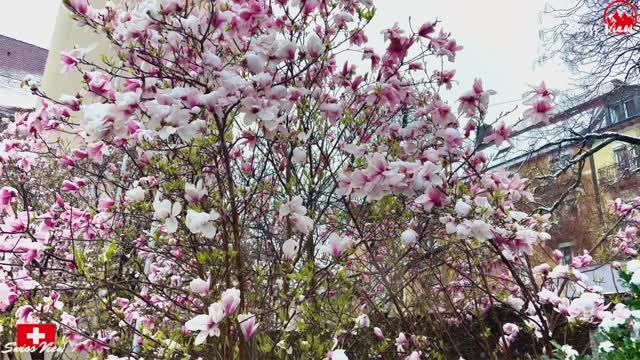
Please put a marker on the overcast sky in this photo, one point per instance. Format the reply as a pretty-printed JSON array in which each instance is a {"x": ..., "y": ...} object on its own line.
[
  {"x": 500, "y": 38},
  {"x": 29, "y": 20}
]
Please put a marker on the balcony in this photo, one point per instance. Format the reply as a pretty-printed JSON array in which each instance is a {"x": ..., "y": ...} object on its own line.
[{"x": 619, "y": 173}]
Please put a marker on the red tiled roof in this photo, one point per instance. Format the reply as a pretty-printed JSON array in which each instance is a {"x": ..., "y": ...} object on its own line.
[{"x": 19, "y": 56}]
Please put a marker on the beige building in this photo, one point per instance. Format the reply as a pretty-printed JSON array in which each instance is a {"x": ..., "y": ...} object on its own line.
[{"x": 66, "y": 35}]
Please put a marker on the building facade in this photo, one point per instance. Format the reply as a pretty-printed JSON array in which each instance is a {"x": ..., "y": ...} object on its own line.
[
  {"x": 576, "y": 171},
  {"x": 17, "y": 61}
]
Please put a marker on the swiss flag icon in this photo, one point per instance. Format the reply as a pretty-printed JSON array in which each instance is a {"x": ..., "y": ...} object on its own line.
[{"x": 35, "y": 335}]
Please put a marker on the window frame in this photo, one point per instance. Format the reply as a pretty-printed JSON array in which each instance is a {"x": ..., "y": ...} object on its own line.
[{"x": 566, "y": 245}]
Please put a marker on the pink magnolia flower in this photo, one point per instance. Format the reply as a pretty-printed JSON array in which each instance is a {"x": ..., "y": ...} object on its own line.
[
  {"x": 557, "y": 255},
  {"x": 285, "y": 50},
  {"x": 481, "y": 230},
  {"x": 301, "y": 223},
  {"x": 7, "y": 296},
  {"x": 515, "y": 302},
  {"x": 100, "y": 84},
  {"x": 7, "y": 196},
  {"x": 292, "y": 207},
  {"x": 207, "y": 324},
  {"x": 71, "y": 102},
  {"x": 426, "y": 29},
  {"x": 105, "y": 204},
  {"x": 444, "y": 78},
  {"x": 194, "y": 193},
  {"x": 415, "y": 355},
  {"x": 378, "y": 333},
  {"x": 446, "y": 46},
  {"x": 200, "y": 286},
  {"x": 315, "y": 47},
  {"x": 230, "y": 299},
  {"x": 452, "y": 138},
  {"x": 402, "y": 341},
  {"x": 296, "y": 211},
  {"x": 540, "y": 111},
  {"x": 345, "y": 186},
  {"x": 332, "y": 111},
  {"x": 540, "y": 91},
  {"x": 582, "y": 260},
  {"x": 428, "y": 176},
  {"x": 72, "y": 186},
  {"x": 546, "y": 296},
  {"x": 501, "y": 134},
  {"x": 96, "y": 151},
  {"x": 248, "y": 325},
  {"x": 338, "y": 244},
  {"x": 70, "y": 59},
  {"x": 81, "y": 6},
  {"x": 543, "y": 269},
  {"x": 433, "y": 197},
  {"x": 477, "y": 99},
  {"x": 24, "y": 314}
]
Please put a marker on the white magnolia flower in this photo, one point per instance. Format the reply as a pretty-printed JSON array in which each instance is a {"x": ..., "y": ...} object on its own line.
[
  {"x": 408, "y": 237},
  {"x": 164, "y": 210},
  {"x": 363, "y": 321},
  {"x": 299, "y": 156},
  {"x": 569, "y": 352},
  {"x": 290, "y": 249},
  {"x": 633, "y": 266},
  {"x": 297, "y": 211},
  {"x": 462, "y": 208},
  {"x": 202, "y": 223},
  {"x": 136, "y": 194},
  {"x": 292, "y": 207},
  {"x": 192, "y": 130},
  {"x": 606, "y": 346},
  {"x": 338, "y": 355},
  {"x": 481, "y": 230}
]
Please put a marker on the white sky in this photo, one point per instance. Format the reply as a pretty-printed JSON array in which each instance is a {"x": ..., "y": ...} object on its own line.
[
  {"x": 500, "y": 38},
  {"x": 31, "y": 21}
]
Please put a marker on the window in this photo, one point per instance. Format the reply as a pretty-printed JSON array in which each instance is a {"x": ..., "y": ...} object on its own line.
[
  {"x": 483, "y": 131},
  {"x": 623, "y": 110},
  {"x": 630, "y": 107},
  {"x": 616, "y": 113},
  {"x": 567, "y": 256},
  {"x": 625, "y": 157}
]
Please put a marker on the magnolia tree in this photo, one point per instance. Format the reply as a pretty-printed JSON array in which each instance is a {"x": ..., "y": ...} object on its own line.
[{"x": 226, "y": 185}]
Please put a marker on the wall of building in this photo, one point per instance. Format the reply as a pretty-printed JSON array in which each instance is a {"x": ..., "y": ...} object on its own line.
[
  {"x": 577, "y": 219},
  {"x": 66, "y": 35},
  {"x": 605, "y": 156}
]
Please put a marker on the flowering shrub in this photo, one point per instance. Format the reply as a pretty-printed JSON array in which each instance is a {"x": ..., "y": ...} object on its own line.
[
  {"x": 618, "y": 331},
  {"x": 225, "y": 186}
]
